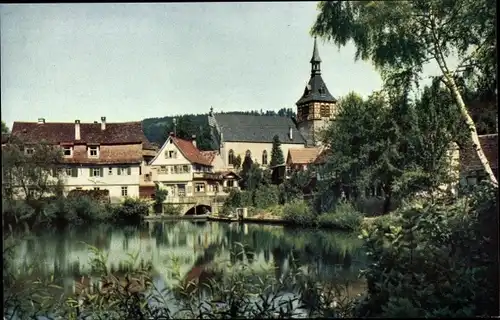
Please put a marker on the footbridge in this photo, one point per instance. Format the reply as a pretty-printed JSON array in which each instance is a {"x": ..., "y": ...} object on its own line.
[{"x": 197, "y": 205}]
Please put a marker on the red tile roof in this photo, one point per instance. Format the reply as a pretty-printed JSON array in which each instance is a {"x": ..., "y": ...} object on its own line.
[
  {"x": 210, "y": 155},
  {"x": 469, "y": 160},
  {"x": 120, "y": 143},
  {"x": 64, "y": 132},
  {"x": 189, "y": 151}
]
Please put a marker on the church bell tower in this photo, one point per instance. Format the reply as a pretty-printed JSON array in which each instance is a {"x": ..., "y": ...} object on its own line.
[{"x": 316, "y": 107}]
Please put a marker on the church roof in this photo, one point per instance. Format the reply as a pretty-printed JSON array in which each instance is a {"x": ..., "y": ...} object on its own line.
[
  {"x": 316, "y": 90},
  {"x": 255, "y": 128}
]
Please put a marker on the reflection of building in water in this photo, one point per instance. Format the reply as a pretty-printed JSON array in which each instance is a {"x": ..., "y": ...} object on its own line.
[{"x": 186, "y": 243}]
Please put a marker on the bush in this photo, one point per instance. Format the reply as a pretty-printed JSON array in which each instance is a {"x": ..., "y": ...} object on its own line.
[
  {"x": 76, "y": 209},
  {"x": 16, "y": 211},
  {"x": 266, "y": 196},
  {"x": 131, "y": 211},
  {"x": 431, "y": 262},
  {"x": 170, "y": 209},
  {"x": 299, "y": 212},
  {"x": 345, "y": 216},
  {"x": 233, "y": 200}
]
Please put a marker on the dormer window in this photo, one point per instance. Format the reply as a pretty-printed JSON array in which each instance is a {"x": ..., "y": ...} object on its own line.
[
  {"x": 67, "y": 151},
  {"x": 94, "y": 152},
  {"x": 29, "y": 151}
]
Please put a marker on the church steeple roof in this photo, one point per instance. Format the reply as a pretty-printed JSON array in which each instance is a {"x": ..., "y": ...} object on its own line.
[
  {"x": 315, "y": 56},
  {"x": 316, "y": 89}
]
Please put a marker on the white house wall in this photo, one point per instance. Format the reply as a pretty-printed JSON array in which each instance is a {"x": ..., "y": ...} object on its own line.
[{"x": 160, "y": 160}]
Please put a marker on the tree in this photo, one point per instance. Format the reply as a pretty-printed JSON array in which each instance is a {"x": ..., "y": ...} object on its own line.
[
  {"x": 237, "y": 162},
  {"x": 32, "y": 176},
  {"x": 399, "y": 145},
  {"x": 5, "y": 129},
  {"x": 400, "y": 37},
  {"x": 276, "y": 152}
]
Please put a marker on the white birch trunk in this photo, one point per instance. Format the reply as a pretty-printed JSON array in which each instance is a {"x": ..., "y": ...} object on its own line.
[{"x": 472, "y": 127}]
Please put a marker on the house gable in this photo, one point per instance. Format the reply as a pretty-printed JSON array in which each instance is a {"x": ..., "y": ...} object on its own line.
[{"x": 163, "y": 157}]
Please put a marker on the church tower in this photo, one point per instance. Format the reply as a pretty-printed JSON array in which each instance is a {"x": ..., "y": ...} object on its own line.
[{"x": 316, "y": 107}]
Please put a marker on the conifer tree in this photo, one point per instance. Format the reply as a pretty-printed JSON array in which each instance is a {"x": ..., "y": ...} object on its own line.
[{"x": 276, "y": 153}]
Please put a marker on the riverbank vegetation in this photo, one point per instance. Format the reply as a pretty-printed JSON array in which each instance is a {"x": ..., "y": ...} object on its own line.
[{"x": 32, "y": 193}]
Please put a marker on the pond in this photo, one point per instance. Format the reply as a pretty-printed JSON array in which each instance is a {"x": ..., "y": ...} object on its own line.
[{"x": 194, "y": 248}]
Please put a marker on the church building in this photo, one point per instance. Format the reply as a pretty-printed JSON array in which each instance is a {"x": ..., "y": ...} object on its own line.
[{"x": 236, "y": 135}]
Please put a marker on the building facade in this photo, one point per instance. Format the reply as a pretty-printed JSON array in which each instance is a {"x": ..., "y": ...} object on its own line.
[
  {"x": 189, "y": 175},
  {"x": 96, "y": 156},
  {"x": 238, "y": 135}
]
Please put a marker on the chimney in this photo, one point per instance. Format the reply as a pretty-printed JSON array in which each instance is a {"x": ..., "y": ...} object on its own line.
[
  {"x": 41, "y": 120},
  {"x": 290, "y": 132},
  {"x": 171, "y": 134},
  {"x": 211, "y": 113},
  {"x": 77, "y": 129},
  {"x": 193, "y": 139},
  {"x": 103, "y": 123}
]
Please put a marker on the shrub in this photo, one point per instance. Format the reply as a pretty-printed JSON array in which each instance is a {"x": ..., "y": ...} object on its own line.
[
  {"x": 299, "y": 212},
  {"x": 233, "y": 200},
  {"x": 16, "y": 211},
  {"x": 246, "y": 199},
  {"x": 77, "y": 209},
  {"x": 430, "y": 262},
  {"x": 131, "y": 211},
  {"x": 345, "y": 216},
  {"x": 266, "y": 196},
  {"x": 170, "y": 209}
]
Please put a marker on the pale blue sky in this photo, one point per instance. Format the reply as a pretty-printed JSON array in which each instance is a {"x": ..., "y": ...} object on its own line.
[{"x": 132, "y": 61}]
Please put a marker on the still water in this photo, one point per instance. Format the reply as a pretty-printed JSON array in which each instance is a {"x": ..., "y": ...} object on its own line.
[{"x": 329, "y": 256}]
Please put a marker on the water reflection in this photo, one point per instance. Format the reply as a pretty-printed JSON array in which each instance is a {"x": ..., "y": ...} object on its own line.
[{"x": 200, "y": 249}]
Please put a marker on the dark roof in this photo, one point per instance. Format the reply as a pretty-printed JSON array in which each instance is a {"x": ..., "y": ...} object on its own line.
[
  {"x": 315, "y": 57},
  {"x": 316, "y": 90},
  {"x": 59, "y": 132},
  {"x": 469, "y": 160},
  {"x": 256, "y": 128}
]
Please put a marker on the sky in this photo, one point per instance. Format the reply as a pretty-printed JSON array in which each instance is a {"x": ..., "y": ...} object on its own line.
[{"x": 128, "y": 62}]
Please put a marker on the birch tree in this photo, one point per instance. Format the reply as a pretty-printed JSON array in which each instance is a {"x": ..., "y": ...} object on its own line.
[{"x": 400, "y": 37}]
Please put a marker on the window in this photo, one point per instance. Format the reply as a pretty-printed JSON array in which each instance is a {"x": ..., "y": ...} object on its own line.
[
  {"x": 124, "y": 191},
  {"x": 230, "y": 159},
  {"x": 181, "y": 188},
  {"x": 29, "y": 151},
  {"x": 124, "y": 171},
  {"x": 325, "y": 111},
  {"x": 163, "y": 170},
  {"x": 110, "y": 171},
  {"x": 170, "y": 154},
  {"x": 93, "y": 151},
  {"x": 199, "y": 187},
  {"x": 264, "y": 157},
  {"x": 67, "y": 151},
  {"x": 78, "y": 188},
  {"x": 96, "y": 172},
  {"x": 185, "y": 169},
  {"x": 69, "y": 171},
  {"x": 97, "y": 188}
]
